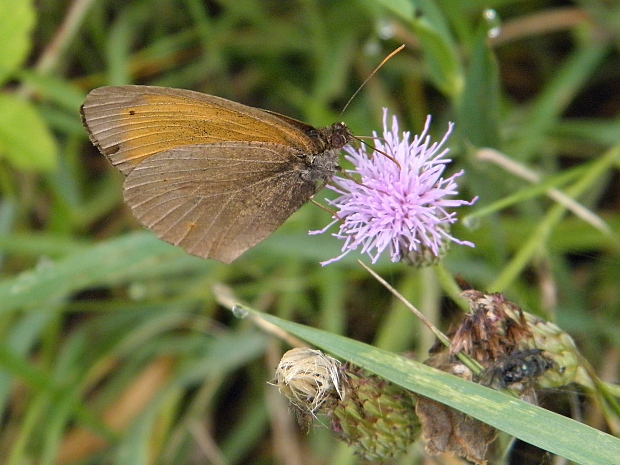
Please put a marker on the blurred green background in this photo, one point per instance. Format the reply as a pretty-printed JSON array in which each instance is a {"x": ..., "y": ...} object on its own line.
[{"x": 112, "y": 346}]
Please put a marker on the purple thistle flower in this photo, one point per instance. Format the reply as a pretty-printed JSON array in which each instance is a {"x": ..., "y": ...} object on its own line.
[{"x": 400, "y": 207}]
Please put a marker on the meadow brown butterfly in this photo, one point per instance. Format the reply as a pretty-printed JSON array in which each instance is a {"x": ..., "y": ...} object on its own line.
[{"x": 207, "y": 174}]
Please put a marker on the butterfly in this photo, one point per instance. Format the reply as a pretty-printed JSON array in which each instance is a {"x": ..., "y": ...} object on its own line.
[{"x": 210, "y": 175}]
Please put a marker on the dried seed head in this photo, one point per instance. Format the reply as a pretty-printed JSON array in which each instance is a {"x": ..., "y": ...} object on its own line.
[
  {"x": 494, "y": 328},
  {"x": 310, "y": 379}
]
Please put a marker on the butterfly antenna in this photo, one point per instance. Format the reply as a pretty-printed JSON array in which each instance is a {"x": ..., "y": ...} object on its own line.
[
  {"x": 375, "y": 149},
  {"x": 371, "y": 75},
  {"x": 333, "y": 213}
]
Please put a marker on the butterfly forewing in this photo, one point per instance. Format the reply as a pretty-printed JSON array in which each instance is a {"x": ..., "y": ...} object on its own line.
[
  {"x": 131, "y": 123},
  {"x": 218, "y": 200}
]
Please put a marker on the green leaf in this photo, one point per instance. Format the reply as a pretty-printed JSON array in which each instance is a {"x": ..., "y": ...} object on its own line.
[
  {"x": 532, "y": 424},
  {"x": 403, "y": 8},
  {"x": 443, "y": 64},
  {"x": 17, "y": 18},
  {"x": 25, "y": 140},
  {"x": 602, "y": 131},
  {"x": 61, "y": 92},
  {"x": 567, "y": 82},
  {"x": 132, "y": 257},
  {"x": 431, "y": 29},
  {"x": 438, "y": 46},
  {"x": 526, "y": 193},
  {"x": 479, "y": 108},
  {"x": 223, "y": 356}
]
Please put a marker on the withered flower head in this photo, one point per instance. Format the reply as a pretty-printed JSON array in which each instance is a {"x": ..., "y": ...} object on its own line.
[
  {"x": 445, "y": 429},
  {"x": 494, "y": 328},
  {"x": 309, "y": 378}
]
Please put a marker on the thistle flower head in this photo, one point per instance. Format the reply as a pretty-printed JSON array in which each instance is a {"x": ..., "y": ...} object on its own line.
[{"x": 397, "y": 206}]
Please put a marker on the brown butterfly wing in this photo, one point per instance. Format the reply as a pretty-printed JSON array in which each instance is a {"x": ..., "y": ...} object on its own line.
[
  {"x": 131, "y": 123},
  {"x": 218, "y": 200}
]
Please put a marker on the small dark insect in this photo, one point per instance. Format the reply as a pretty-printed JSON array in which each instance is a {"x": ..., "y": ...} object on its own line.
[{"x": 517, "y": 367}]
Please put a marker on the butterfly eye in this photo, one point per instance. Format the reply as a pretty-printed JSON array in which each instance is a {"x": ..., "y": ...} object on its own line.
[{"x": 338, "y": 140}]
